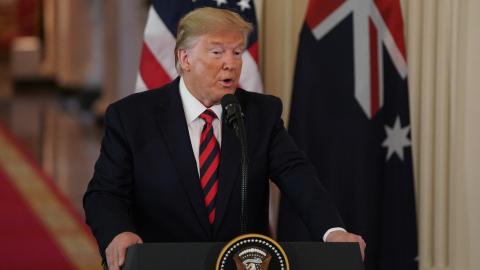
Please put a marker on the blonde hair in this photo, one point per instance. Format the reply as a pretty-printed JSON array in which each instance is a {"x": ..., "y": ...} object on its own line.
[{"x": 206, "y": 20}]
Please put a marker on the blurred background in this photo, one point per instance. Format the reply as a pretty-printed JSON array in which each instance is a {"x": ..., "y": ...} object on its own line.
[{"x": 63, "y": 61}]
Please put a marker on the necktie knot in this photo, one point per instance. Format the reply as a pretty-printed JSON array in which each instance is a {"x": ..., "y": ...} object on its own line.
[{"x": 208, "y": 116}]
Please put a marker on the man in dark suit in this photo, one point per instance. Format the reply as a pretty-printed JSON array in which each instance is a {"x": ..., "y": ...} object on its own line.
[{"x": 169, "y": 165}]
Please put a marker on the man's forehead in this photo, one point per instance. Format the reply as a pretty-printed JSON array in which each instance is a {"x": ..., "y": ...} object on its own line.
[
  {"x": 224, "y": 38},
  {"x": 223, "y": 43}
]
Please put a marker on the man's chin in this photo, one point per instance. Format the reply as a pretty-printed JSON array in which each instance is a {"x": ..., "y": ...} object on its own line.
[
  {"x": 223, "y": 93},
  {"x": 229, "y": 90}
]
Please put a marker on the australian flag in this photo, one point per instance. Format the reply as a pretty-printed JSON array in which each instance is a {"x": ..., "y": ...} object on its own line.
[
  {"x": 157, "y": 61},
  {"x": 350, "y": 114}
]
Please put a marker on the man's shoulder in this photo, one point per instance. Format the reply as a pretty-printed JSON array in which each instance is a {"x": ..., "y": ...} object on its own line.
[
  {"x": 148, "y": 98},
  {"x": 260, "y": 101},
  {"x": 257, "y": 98}
]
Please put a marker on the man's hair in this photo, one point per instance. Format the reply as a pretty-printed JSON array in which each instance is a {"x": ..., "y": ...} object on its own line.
[{"x": 206, "y": 20}]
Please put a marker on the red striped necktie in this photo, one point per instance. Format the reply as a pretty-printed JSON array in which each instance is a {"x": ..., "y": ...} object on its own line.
[{"x": 209, "y": 161}]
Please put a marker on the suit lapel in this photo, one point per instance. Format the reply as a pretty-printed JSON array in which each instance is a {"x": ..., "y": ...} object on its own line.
[
  {"x": 229, "y": 172},
  {"x": 172, "y": 123}
]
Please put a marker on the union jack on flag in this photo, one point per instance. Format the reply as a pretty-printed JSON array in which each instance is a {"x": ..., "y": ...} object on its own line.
[
  {"x": 350, "y": 114},
  {"x": 157, "y": 62},
  {"x": 376, "y": 23}
]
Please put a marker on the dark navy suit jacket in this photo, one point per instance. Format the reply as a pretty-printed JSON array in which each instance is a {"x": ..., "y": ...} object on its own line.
[{"x": 146, "y": 179}]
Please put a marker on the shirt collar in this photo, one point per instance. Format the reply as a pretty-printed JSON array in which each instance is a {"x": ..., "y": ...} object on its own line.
[{"x": 192, "y": 106}]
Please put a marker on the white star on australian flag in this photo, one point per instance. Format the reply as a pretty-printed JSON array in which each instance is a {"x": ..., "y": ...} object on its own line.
[
  {"x": 397, "y": 139},
  {"x": 220, "y": 2},
  {"x": 244, "y": 4}
]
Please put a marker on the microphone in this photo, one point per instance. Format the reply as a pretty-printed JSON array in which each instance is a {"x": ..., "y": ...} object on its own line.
[
  {"x": 232, "y": 112},
  {"x": 232, "y": 109}
]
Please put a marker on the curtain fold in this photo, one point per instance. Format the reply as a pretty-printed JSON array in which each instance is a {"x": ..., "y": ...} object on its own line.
[{"x": 438, "y": 36}]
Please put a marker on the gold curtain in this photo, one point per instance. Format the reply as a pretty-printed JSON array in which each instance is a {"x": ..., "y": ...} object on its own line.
[{"x": 442, "y": 44}]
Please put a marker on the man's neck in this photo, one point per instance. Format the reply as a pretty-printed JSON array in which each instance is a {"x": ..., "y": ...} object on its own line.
[{"x": 195, "y": 93}]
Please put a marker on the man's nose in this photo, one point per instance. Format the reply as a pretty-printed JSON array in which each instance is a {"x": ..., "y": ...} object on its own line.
[{"x": 231, "y": 61}]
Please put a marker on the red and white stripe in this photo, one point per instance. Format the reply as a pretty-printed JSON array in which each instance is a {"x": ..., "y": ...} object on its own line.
[{"x": 157, "y": 62}]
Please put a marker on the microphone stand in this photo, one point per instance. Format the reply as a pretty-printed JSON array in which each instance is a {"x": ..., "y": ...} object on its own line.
[
  {"x": 234, "y": 117},
  {"x": 242, "y": 135}
]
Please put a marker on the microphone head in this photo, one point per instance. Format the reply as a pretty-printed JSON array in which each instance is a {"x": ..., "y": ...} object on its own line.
[
  {"x": 231, "y": 108},
  {"x": 228, "y": 99}
]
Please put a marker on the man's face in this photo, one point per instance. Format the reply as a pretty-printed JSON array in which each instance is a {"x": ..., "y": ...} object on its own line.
[{"x": 211, "y": 68}]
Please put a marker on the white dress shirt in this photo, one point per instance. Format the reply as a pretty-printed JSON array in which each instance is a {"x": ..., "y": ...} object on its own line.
[{"x": 193, "y": 108}]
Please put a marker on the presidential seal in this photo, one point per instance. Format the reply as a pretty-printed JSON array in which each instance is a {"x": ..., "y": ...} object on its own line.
[{"x": 252, "y": 252}]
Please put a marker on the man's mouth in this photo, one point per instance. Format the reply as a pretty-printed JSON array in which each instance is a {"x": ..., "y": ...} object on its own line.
[{"x": 227, "y": 82}]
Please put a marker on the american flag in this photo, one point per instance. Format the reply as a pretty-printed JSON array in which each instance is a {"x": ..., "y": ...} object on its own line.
[{"x": 157, "y": 62}]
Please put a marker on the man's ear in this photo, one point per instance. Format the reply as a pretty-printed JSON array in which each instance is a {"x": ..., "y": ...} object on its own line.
[{"x": 183, "y": 59}]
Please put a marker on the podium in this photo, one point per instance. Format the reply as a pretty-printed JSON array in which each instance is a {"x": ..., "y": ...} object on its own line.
[{"x": 203, "y": 256}]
